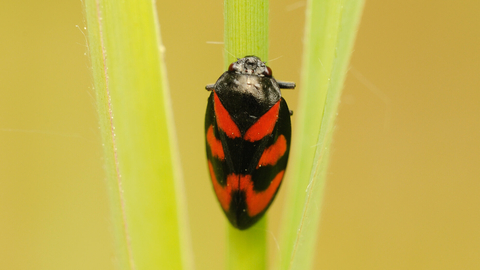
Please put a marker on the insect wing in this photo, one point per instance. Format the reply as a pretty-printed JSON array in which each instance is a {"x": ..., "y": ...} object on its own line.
[{"x": 246, "y": 170}]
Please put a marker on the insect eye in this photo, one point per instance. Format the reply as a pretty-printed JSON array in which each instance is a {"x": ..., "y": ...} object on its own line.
[
  {"x": 267, "y": 72},
  {"x": 230, "y": 68}
]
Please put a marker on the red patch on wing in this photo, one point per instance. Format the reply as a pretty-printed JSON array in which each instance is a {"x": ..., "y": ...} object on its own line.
[
  {"x": 224, "y": 120},
  {"x": 273, "y": 153},
  {"x": 256, "y": 201},
  {"x": 215, "y": 144},
  {"x": 264, "y": 125},
  {"x": 223, "y": 193}
]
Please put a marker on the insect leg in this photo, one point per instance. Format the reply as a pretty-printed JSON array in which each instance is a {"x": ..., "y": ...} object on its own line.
[
  {"x": 210, "y": 87},
  {"x": 286, "y": 85}
]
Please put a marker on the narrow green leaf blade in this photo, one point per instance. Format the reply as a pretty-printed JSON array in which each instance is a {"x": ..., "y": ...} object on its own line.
[
  {"x": 331, "y": 27},
  {"x": 143, "y": 176}
]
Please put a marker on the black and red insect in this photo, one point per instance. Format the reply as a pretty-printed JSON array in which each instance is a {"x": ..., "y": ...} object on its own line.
[{"x": 247, "y": 134}]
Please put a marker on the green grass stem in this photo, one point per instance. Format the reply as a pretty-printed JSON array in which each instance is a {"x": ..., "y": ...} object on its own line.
[
  {"x": 142, "y": 169},
  {"x": 246, "y": 33}
]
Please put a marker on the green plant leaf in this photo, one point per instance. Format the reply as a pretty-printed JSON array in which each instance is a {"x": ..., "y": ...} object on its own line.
[
  {"x": 331, "y": 26},
  {"x": 136, "y": 125}
]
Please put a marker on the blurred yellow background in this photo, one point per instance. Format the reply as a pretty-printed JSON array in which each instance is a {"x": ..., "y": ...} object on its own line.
[{"x": 403, "y": 188}]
